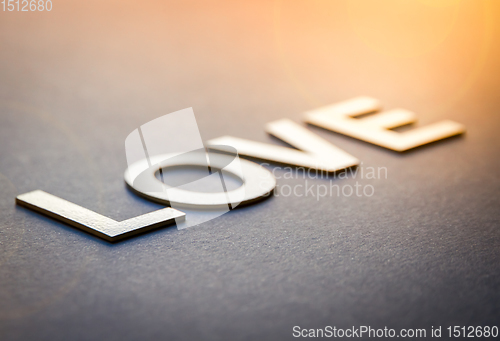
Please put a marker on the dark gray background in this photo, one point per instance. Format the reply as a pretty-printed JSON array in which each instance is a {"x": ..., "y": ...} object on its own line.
[{"x": 74, "y": 82}]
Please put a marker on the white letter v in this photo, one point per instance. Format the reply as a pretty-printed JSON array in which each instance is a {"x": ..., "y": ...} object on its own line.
[{"x": 317, "y": 152}]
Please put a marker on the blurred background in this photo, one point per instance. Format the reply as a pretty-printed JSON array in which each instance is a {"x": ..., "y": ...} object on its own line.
[
  {"x": 278, "y": 58},
  {"x": 75, "y": 81}
]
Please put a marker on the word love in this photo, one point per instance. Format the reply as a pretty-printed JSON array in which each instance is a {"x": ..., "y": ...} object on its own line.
[{"x": 314, "y": 153}]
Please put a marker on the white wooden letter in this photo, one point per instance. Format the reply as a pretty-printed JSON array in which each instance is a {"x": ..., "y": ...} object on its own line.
[
  {"x": 374, "y": 129},
  {"x": 317, "y": 153}
]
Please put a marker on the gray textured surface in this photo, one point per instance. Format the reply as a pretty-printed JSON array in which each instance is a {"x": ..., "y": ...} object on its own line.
[{"x": 423, "y": 251}]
